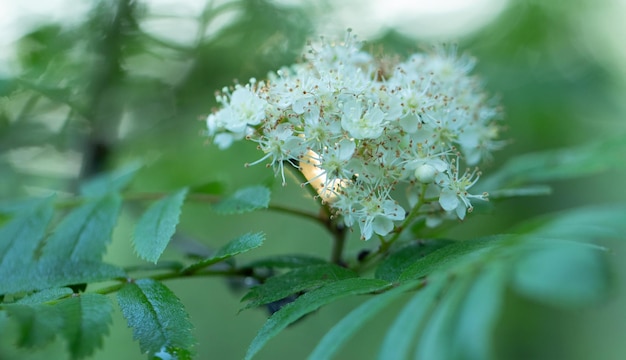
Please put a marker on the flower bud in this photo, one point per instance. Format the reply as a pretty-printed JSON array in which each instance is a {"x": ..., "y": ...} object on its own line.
[{"x": 425, "y": 174}]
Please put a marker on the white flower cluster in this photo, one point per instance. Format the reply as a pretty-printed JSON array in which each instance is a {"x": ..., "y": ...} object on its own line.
[{"x": 358, "y": 127}]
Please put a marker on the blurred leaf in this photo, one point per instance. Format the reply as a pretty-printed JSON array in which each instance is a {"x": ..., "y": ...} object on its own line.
[
  {"x": 558, "y": 164},
  {"x": 434, "y": 343},
  {"x": 157, "y": 225},
  {"x": 157, "y": 317},
  {"x": 21, "y": 235},
  {"x": 286, "y": 261},
  {"x": 479, "y": 313},
  {"x": 403, "y": 332},
  {"x": 397, "y": 262},
  {"x": 16, "y": 206},
  {"x": 356, "y": 319},
  {"x": 303, "y": 278},
  {"x": 86, "y": 321},
  {"x": 85, "y": 231},
  {"x": 45, "y": 296},
  {"x": 448, "y": 256},
  {"x": 111, "y": 182},
  {"x": 38, "y": 324},
  {"x": 237, "y": 246},
  {"x": 309, "y": 302},
  {"x": 51, "y": 273},
  {"x": 582, "y": 224},
  {"x": 245, "y": 200},
  {"x": 562, "y": 273}
]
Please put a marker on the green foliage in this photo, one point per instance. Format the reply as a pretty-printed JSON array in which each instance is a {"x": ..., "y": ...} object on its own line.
[
  {"x": 344, "y": 329},
  {"x": 244, "y": 200},
  {"x": 236, "y": 246},
  {"x": 82, "y": 320},
  {"x": 557, "y": 164},
  {"x": 562, "y": 273},
  {"x": 86, "y": 320},
  {"x": 397, "y": 262},
  {"x": 295, "y": 281},
  {"x": 81, "y": 82},
  {"x": 157, "y": 317},
  {"x": 157, "y": 225},
  {"x": 309, "y": 302},
  {"x": 85, "y": 231}
]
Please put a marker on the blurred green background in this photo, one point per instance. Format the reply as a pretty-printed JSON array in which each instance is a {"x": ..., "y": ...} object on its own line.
[{"x": 88, "y": 86}]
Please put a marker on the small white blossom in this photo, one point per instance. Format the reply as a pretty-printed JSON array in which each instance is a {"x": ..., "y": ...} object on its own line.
[{"x": 362, "y": 123}]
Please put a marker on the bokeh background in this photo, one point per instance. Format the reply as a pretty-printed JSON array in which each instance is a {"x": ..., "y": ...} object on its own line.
[{"x": 87, "y": 86}]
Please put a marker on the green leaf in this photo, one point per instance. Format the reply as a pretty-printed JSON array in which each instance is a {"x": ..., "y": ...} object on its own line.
[
  {"x": 38, "y": 324},
  {"x": 286, "y": 261},
  {"x": 448, "y": 256},
  {"x": 245, "y": 200},
  {"x": 435, "y": 341},
  {"x": 157, "y": 317},
  {"x": 157, "y": 226},
  {"x": 582, "y": 224},
  {"x": 404, "y": 330},
  {"x": 51, "y": 273},
  {"x": 309, "y": 302},
  {"x": 21, "y": 236},
  {"x": 237, "y": 246},
  {"x": 347, "y": 327},
  {"x": 281, "y": 286},
  {"x": 558, "y": 164},
  {"x": 15, "y": 206},
  {"x": 479, "y": 313},
  {"x": 45, "y": 296},
  {"x": 85, "y": 231},
  {"x": 562, "y": 273},
  {"x": 86, "y": 321},
  {"x": 397, "y": 262},
  {"x": 111, "y": 182}
]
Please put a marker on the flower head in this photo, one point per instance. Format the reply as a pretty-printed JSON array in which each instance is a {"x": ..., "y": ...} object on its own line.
[{"x": 360, "y": 128}]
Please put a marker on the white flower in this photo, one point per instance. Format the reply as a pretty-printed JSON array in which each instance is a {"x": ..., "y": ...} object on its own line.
[
  {"x": 371, "y": 209},
  {"x": 360, "y": 128},
  {"x": 454, "y": 191},
  {"x": 362, "y": 123},
  {"x": 246, "y": 108}
]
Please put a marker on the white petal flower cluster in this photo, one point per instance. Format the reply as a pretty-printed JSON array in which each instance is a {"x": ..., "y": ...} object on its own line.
[{"x": 361, "y": 128}]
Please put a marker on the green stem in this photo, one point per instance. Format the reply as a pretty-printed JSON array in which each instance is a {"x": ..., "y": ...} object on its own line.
[{"x": 180, "y": 275}]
